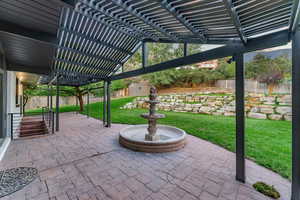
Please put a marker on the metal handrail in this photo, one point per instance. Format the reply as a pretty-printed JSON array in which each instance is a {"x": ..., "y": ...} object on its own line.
[{"x": 47, "y": 115}]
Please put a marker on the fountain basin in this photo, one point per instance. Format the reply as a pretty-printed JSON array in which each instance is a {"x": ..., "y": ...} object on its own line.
[
  {"x": 171, "y": 139},
  {"x": 155, "y": 116}
]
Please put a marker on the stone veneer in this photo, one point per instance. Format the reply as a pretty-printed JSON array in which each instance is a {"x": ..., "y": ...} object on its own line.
[{"x": 276, "y": 107}]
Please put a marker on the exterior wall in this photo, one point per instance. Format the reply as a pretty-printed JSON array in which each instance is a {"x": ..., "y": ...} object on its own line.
[
  {"x": 6, "y": 84},
  {"x": 11, "y": 103},
  {"x": 138, "y": 89},
  {"x": 255, "y": 86},
  {"x": 11, "y": 93},
  {"x": 211, "y": 64},
  {"x": 41, "y": 101}
]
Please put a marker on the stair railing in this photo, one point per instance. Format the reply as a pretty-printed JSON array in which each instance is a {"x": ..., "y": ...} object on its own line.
[{"x": 46, "y": 115}]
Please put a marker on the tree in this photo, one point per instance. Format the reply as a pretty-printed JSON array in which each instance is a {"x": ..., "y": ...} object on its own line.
[
  {"x": 268, "y": 70},
  {"x": 159, "y": 52},
  {"x": 76, "y": 91},
  {"x": 225, "y": 69},
  {"x": 28, "y": 92},
  {"x": 79, "y": 91}
]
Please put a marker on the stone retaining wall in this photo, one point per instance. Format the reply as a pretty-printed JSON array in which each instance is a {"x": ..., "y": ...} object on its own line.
[{"x": 258, "y": 106}]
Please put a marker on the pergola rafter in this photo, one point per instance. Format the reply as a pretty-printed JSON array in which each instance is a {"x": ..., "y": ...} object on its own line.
[
  {"x": 131, "y": 10},
  {"x": 85, "y": 37},
  {"x": 179, "y": 17},
  {"x": 88, "y": 55},
  {"x": 95, "y": 5},
  {"x": 235, "y": 19}
]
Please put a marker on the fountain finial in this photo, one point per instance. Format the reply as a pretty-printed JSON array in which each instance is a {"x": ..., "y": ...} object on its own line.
[{"x": 153, "y": 93}]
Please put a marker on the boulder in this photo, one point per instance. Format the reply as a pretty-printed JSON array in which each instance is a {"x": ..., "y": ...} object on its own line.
[
  {"x": 229, "y": 108},
  {"x": 195, "y": 110},
  {"x": 217, "y": 113},
  {"x": 269, "y": 100},
  {"x": 275, "y": 117},
  {"x": 287, "y": 117},
  {"x": 257, "y": 115},
  {"x": 267, "y": 109},
  {"x": 205, "y": 109},
  {"x": 255, "y": 109},
  {"x": 247, "y": 108},
  {"x": 284, "y": 110},
  {"x": 285, "y": 100},
  {"x": 229, "y": 114}
]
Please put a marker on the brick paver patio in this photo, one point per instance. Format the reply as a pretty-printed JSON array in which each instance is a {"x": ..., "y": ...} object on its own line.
[{"x": 85, "y": 162}]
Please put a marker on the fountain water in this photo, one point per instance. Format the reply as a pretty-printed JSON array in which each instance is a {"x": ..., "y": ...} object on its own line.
[{"x": 152, "y": 137}]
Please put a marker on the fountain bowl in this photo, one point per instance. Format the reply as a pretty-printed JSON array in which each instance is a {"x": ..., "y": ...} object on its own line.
[{"x": 171, "y": 139}]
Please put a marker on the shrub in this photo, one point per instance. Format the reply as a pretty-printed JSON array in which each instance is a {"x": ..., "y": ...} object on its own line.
[{"x": 267, "y": 190}]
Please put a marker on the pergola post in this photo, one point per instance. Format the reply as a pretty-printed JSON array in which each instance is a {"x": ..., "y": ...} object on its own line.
[
  {"x": 296, "y": 116},
  {"x": 240, "y": 117},
  {"x": 57, "y": 104},
  {"x": 144, "y": 55},
  {"x": 48, "y": 97},
  {"x": 88, "y": 103},
  {"x": 51, "y": 99},
  {"x": 108, "y": 104},
  {"x": 104, "y": 103},
  {"x": 21, "y": 105},
  {"x": 185, "y": 49}
]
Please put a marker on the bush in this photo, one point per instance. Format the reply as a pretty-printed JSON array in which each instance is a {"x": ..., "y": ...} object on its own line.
[{"x": 267, "y": 190}]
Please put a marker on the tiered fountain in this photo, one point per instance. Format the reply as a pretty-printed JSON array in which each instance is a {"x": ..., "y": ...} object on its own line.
[{"x": 152, "y": 137}]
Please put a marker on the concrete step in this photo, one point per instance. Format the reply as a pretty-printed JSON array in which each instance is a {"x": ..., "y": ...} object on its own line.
[
  {"x": 33, "y": 134},
  {"x": 32, "y": 128}
]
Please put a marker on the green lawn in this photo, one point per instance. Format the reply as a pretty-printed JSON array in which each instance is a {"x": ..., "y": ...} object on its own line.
[{"x": 267, "y": 142}]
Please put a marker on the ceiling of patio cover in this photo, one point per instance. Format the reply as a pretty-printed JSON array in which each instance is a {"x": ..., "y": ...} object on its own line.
[{"x": 22, "y": 24}]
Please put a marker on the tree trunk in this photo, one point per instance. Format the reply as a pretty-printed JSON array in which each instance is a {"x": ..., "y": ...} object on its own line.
[
  {"x": 25, "y": 100},
  {"x": 80, "y": 99},
  {"x": 271, "y": 88}
]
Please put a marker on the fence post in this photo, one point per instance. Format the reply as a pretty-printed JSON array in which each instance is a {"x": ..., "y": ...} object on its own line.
[
  {"x": 11, "y": 126},
  {"x": 57, "y": 104},
  {"x": 43, "y": 117},
  {"x": 104, "y": 104},
  {"x": 108, "y": 105},
  {"x": 52, "y": 116},
  {"x": 88, "y": 103}
]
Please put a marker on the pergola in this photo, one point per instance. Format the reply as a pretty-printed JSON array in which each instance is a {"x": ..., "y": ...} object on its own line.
[{"x": 75, "y": 43}]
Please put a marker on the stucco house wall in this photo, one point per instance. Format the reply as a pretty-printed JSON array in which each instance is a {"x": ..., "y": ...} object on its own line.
[{"x": 8, "y": 94}]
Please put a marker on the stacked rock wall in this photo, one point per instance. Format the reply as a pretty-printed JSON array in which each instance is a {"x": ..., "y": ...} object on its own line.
[{"x": 277, "y": 107}]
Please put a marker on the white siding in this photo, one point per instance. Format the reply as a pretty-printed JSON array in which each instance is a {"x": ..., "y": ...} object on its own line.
[{"x": 11, "y": 103}]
